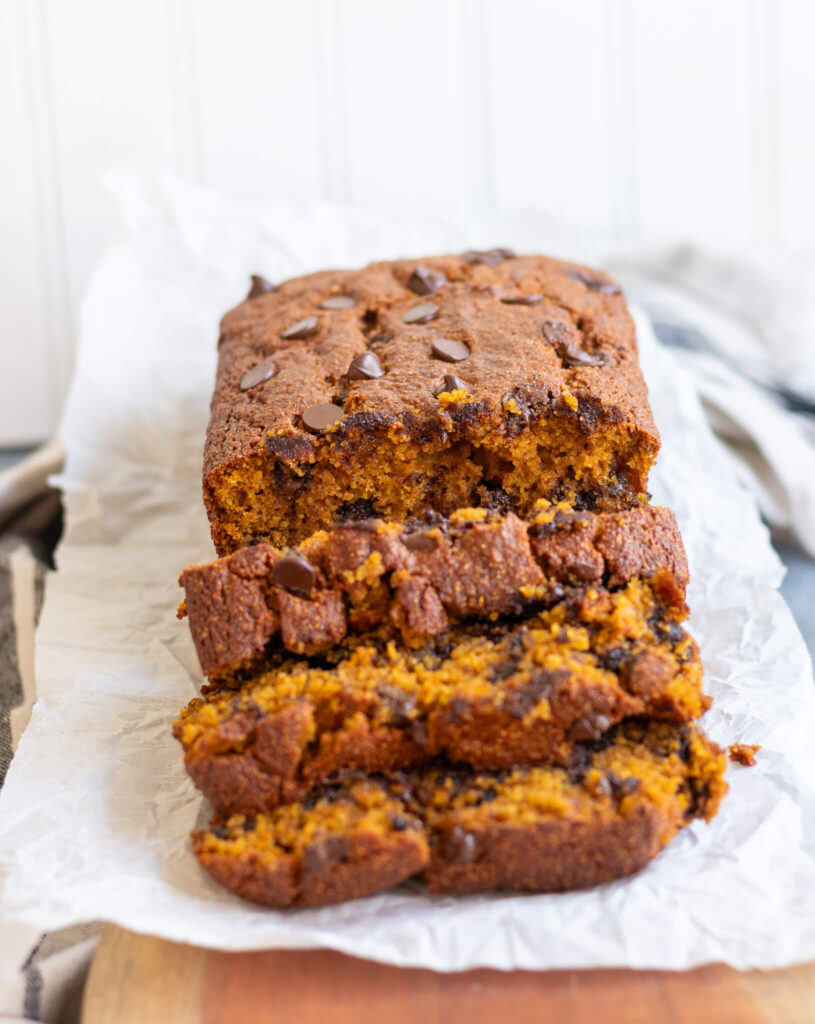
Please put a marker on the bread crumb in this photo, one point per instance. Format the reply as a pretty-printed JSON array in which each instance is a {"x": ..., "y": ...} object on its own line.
[{"x": 743, "y": 753}]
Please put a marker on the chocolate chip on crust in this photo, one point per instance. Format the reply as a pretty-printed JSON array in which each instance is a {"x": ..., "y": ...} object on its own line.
[
  {"x": 449, "y": 350},
  {"x": 365, "y": 366},
  {"x": 594, "y": 282},
  {"x": 460, "y": 847},
  {"x": 489, "y": 257},
  {"x": 302, "y": 329},
  {"x": 419, "y": 542},
  {"x": 426, "y": 280},
  {"x": 259, "y": 286},
  {"x": 294, "y": 572},
  {"x": 522, "y": 300},
  {"x": 259, "y": 374},
  {"x": 452, "y": 383},
  {"x": 318, "y": 418},
  {"x": 421, "y": 314},
  {"x": 338, "y": 302}
]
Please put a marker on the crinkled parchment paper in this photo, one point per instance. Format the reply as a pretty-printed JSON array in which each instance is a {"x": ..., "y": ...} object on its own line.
[{"x": 96, "y": 810}]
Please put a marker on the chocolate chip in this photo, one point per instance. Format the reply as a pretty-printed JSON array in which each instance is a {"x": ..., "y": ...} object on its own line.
[
  {"x": 419, "y": 542},
  {"x": 357, "y": 512},
  {"x": 421, "y": 314},
  {"x": 318, "y": 418},
  {"x": 567, "y": 348},
  {"x": 302, "y": 329},
  {"x": 259, "y": 286},
  {"x": 449, "y": 350},
  {"x": 294, "y": 572},
  {"x": 590, "y": 727},
  {"x": 579, "y": 764},
  {"x": 400, "y": 704},
  {"x": 594, "y": 282},
  {"x": 425, "y": 280},
  {"x": 452, "y": 383},
  {"x": 571, "y": 355},
  {"x": 613, "y": 659},
  {"x": 555, "y": 331},
  {"x": 490, "y": 257},
  {"x": 418, "y": 733},
  {"x": 399, "y": 822},
  {"x": 259, "y": 373},
  {"x": 338, "y": 302},
  {"x": 289, "y": 449},
  {"x": 221, "y": 831},
  {"x": 460, "y": 847},
  {"x": 622, "y": 787},
  {"x": 365, "y": 366},
  {"x": 323, "y": 854},
  {"x": 522, "y": 300}
]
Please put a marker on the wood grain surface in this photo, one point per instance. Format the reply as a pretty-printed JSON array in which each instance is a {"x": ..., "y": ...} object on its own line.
[{"x": 136, "y": 978}]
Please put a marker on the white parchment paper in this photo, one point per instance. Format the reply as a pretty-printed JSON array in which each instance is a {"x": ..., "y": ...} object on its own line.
[{"x": 96, "y": 809}]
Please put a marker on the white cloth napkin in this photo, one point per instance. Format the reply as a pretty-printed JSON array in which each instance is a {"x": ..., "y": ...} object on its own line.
[{"x": 744, "y": 327}]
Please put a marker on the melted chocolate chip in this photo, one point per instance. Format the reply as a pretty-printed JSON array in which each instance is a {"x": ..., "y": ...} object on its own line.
[
  {"x": 398, "y": 822},
  {"x": 365, "y": 366},
  {"x": 357, "y": 512},
  {"x": 294, "y": 572},
  {"x": 622, "y": 787},
  {"x": 419, "y": 542},
  {"x": 612, "y": 660},
  {"x": 259, "y": 374},
  {"x": 221, "y": 831},
  {"x": 579, "y": 763},
  {"x": 489, "y": 257},
  {"x": 302, "y": 329},
  {"x": 555, "y": 331},
  {"x": 451, "y": 383},
  {"x": 522, "y": 300},
  {"x": 425, "y": 280},
  {"x": 318, "y": 418},
  {"x": 338, "y": 302},
  {"x": 571, "y": 355},
  {"x": 421, "y": 314},
  {"x": 594, "y": 282},
  {"x": 288, "y": 449},
  {"x": 259, "y": 286},
  {"x": 543, "y": 683},
  {"x": 449, "y": 350},
  {"x": 399, "y": 703}
]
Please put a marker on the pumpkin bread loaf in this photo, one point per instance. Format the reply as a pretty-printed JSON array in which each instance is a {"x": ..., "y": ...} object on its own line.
[
  {"x": 415, "y": 385},
  {"x": 491, "y": 694},
  {"x": 604, "y": 816},
  {"x": 412, "y": 581}
]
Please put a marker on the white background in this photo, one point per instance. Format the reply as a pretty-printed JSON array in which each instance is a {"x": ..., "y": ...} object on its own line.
[{"x": 627, "y": 118}]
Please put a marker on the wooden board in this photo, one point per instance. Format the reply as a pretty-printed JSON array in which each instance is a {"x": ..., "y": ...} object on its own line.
[{"x": 136, "y": 979}]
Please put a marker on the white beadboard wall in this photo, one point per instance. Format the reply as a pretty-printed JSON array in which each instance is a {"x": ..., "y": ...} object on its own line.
[{"x": 628, "y": 117}]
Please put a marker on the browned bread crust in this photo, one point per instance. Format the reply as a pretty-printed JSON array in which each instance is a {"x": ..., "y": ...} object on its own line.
[
  {"x": 547, "y": 399},
  {"x": 536, "y": 829},
  {"x": 416, "y": 580},
  {"x": 489, "y": 695},
  {"x": 324, "y": 870}
]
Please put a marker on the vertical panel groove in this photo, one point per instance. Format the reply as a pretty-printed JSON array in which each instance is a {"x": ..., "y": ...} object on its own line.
[
  {"x": 476, "y": 65},
  {"x": 765, "y": 172},
  {"x": 57, "y": 320},
  {"x": 329, "y": 71},
  {"x": 186, "y": 90},
  {"x": 622, "y": 141}
]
